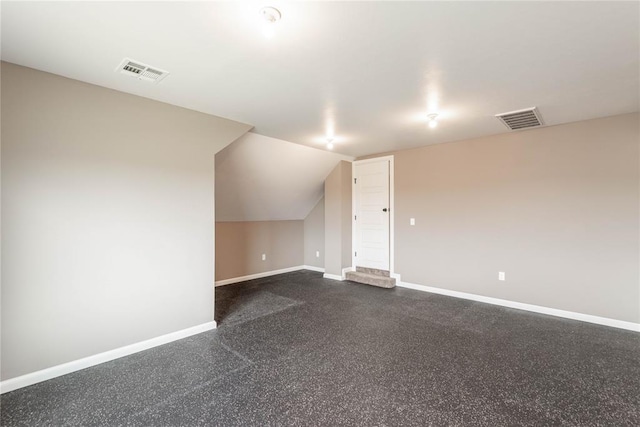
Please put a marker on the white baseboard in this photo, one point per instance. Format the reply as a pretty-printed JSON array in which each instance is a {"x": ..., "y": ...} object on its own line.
[
  {"x": 86, "y": 362},
  {"x": 345, "y": 271},
  {"x": 267, "y": 274},
  {"x": 630, "y": 326},
  {"x": 313, "y": 268},
  {"x": 336, "y": 277},
  {"x": 259, "y": 275}
]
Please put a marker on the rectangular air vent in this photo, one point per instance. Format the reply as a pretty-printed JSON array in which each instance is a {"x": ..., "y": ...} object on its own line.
[
  {"x": 521, "y": 119},
  {"x": 141, "y": 71}
]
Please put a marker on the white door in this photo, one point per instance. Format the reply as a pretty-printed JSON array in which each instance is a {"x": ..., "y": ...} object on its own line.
[{"x": 371, "y": 197}]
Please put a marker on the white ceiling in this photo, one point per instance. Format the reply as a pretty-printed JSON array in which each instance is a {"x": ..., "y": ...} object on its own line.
[
  {"x": 370, "y": 68},
  {"x": 260, "y": 179}
]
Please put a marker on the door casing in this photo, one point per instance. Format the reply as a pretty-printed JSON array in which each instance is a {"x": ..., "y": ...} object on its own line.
[{"x": 354, "y": 238}]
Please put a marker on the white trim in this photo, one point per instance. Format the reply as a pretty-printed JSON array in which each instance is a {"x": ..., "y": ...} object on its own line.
[
  {"x": 392, "y": 216},
  {"x": 336, "y": 277},
  {"x": 528, "y": 307},
  {"x": 354, "y": 208},
  {"x": 96, "y": 359},
  {"x": 259, "y": 275},
  {"x": 374, "y": 159},
  {"x": 267, "y": 274},
  {"x": 313, "y": 268},
  {"x": 392, "y": 210}
]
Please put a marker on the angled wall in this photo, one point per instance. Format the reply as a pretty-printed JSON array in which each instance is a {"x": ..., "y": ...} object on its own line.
[
  {"x": 107, "y": 218},
  {"x": 267, "y": 197},
  {"x": 259, "y": 178}
]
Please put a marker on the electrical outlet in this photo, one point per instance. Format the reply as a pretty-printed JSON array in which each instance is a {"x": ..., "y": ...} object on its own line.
[
  {"x": 501, "y": 276},
  {"x": 317, "y": 254},
  {"x": 264, "y": 257},
  {"x": 412, "y": 221}
]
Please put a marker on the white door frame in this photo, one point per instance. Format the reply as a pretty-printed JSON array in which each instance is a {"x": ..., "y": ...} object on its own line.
[{"x": 392, "y": 210}]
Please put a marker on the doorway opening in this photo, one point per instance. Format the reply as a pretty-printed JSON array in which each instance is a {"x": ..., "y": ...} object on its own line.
[{"x": 373, "y": 216}]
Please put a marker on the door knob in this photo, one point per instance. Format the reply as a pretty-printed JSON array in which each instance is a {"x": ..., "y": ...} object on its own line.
[{"x": 384, "y": 209}]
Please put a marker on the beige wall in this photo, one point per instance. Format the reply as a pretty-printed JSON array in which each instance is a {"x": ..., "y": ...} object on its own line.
[
  {"x": 347, "y": 207},
  {"x": 107, "y": 218},
  {"x": 314, "y": 236},
  {"x": 240, "y": 245},
  {"x": 337, "y": 217},
  {"x": 555, "y": 208}
]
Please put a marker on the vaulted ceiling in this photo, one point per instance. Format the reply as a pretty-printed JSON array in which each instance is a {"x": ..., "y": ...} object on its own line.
[{"x": 368, "y": 72}]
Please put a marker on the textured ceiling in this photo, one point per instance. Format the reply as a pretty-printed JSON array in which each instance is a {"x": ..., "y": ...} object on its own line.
[{"x": 366, "y": 71}]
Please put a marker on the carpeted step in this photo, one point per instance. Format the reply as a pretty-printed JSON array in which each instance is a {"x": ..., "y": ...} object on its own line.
[
  {"x": 371, "y": 279},
  {"x": 373, "y": 271}
]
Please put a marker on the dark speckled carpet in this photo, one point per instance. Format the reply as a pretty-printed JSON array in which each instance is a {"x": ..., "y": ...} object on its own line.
[{"x": 297, "y": 349}]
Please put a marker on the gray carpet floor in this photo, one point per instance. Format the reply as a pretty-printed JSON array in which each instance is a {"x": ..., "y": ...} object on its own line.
[{"x": 297, "y": 349}]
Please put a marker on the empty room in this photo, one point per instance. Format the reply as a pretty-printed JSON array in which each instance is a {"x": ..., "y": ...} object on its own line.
[{"x": 320, "y": 213}]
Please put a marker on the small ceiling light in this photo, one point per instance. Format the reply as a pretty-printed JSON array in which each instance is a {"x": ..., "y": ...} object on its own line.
[
  {"x": 270, "y": 14},
  {"x": 432, "y": 120},
  {"x": 330, "y": 143}
]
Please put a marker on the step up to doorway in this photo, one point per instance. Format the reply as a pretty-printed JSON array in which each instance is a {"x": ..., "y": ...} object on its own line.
[
  {"x": 374, "y": 271},
  {"x": 378, "y": 280}
]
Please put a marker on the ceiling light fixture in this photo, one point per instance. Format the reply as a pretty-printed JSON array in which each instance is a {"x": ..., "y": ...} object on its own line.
[
  {"x": 270, "y": 14},
  {"x": 432, "y": 120},
  {"x": 330, "y": 143}
]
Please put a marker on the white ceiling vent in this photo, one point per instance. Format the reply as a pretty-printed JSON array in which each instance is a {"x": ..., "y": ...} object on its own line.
[
  {"x": 521, "y": 119},
  {"x": 141, "y": 71}
]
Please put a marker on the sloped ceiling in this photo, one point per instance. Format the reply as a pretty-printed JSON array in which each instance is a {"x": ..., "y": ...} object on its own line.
[
  {"x": 264, "y": 179},
  {"x": 367, "y": 71}
]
